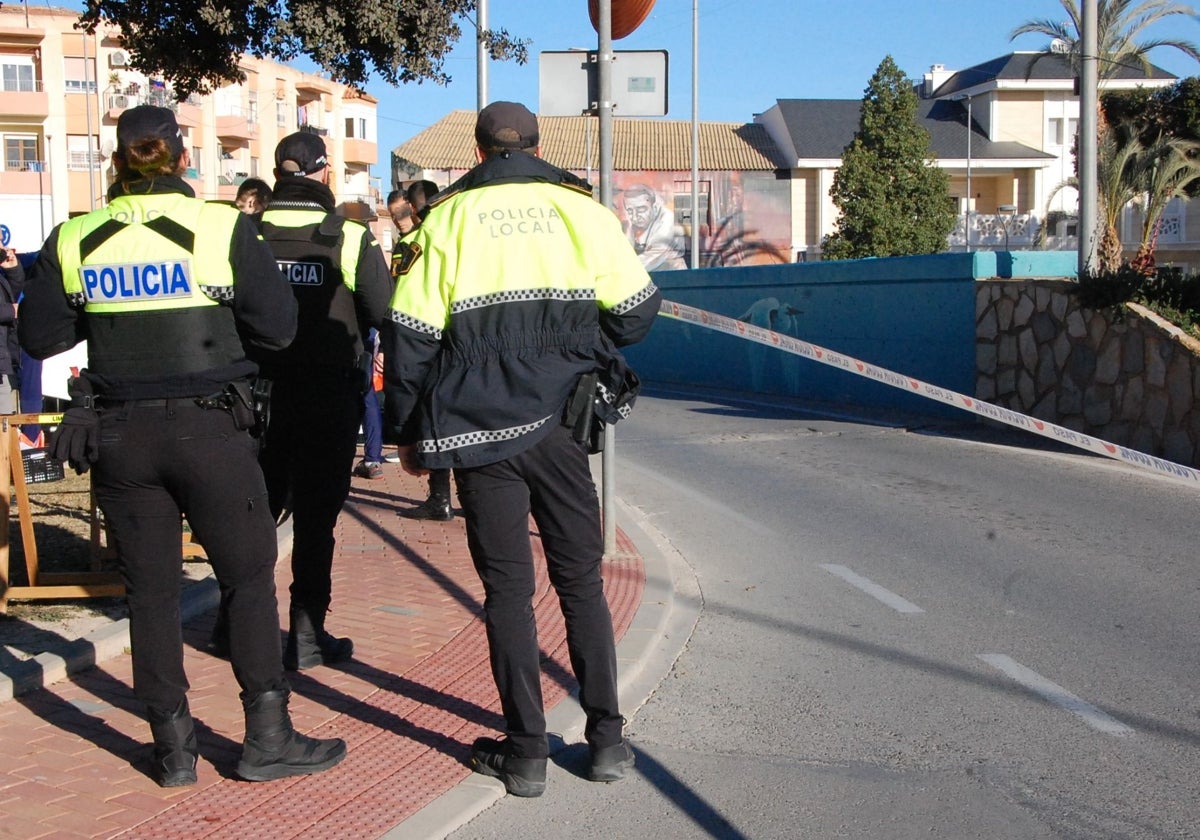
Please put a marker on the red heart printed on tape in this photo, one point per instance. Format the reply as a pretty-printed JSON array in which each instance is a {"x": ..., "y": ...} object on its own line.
[
  {"x": 1041, "y": 427},
  {"x": 916, "y": 386},
  {"x": 861, "y": 367},
  {"x": 675, "y": 309},
  {"x": 1112, "y": 450},
  {"x": 775, "y": 338},
  {"x": 968, "y": 402},
  {"x": 817, "y": 353},
  {"x": 741, "y": 327}
]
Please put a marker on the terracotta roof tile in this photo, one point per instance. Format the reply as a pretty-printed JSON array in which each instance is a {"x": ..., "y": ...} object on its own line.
[{"x": 572, "y": 143}]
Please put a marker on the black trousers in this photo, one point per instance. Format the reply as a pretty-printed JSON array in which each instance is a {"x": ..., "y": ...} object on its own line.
[
  {"x": 307, "y": 462},
  {"x": 163, "y": 458},
  {"x": 552, "y": 481}
]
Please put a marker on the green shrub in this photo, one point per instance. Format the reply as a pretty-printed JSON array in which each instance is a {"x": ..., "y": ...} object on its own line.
[{"x": 1167, "y": 292}]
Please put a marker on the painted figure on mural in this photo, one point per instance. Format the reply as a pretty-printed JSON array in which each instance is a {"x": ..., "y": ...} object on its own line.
[
  {"x": 771, "y": 368},
  {"x": 652, "y": 231}
]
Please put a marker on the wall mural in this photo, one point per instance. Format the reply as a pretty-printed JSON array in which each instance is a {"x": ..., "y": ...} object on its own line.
[{"x": 744, "y": 217}]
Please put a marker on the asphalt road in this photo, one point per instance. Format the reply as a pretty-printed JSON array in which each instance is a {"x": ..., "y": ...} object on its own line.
[{"x": 939, "y": 633}]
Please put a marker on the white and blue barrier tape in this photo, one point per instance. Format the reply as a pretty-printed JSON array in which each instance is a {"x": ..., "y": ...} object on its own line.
[{"x": 750, "y": 332}]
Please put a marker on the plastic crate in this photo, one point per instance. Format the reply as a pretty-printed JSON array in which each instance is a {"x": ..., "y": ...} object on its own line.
[{"x": 40, "y": 467}]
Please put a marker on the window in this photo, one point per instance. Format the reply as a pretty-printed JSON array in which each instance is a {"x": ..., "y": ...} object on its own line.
[
  {"x": 683, "y": 203},
  {"x": 79, "y": 75},
  {"x": 83, "y": 152},
  {"x": 20, "y": 154},
  {"x": 195, "y": 167},
  {"x": 16, "y": 76},
  {"x": 252, "y": 108},
  {"x": 281, "y": 112},
  {"x": 356, "y": 128},
  {"x": 1062, "y": 131},
  {"x": 254, "y": 167}
]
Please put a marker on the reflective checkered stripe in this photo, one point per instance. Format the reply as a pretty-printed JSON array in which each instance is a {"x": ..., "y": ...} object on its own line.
[
  {"x": 479, "y": 437},
  {"x": 521, "y": 296}
]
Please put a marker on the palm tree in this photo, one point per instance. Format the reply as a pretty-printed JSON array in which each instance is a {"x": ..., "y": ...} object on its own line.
[
  {"x": 1119, "y": 25},
  {"x": 1128, "y": 171},
  {"x": 1171, "y": 168}
]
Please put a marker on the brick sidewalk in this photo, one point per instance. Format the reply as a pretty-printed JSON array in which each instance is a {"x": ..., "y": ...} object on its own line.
[{"x": 417, "y": 693}]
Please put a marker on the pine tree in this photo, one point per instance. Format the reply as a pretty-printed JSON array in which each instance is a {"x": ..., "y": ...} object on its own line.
[{"x": 893, "y": 200}]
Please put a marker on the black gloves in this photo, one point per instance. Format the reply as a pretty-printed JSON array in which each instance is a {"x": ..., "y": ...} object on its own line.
[{"x": 77, "y": 438}]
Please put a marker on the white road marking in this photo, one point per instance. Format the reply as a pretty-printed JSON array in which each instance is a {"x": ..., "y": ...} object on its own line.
[
  {"x": 1056, "y": 694},
  {"x": 873, "y": 589}
]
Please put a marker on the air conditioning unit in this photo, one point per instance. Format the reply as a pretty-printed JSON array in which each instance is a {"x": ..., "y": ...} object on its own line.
[
  {"x": 120, "y": 102},
  {"x": 118, "y": 58}
]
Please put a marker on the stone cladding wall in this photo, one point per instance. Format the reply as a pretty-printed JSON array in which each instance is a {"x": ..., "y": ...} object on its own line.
[{"x": 1127, "y": 377}]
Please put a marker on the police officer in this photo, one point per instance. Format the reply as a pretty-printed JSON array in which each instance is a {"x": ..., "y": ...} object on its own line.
[
  {"x": 437, "y": 504},
  {"x": 165, "y": 288},
  {"x": 342, "y": 283},
  {"x": 516, "y": 290}
]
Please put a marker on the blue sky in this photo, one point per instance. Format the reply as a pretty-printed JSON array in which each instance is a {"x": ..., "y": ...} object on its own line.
[{"x": 752, "y": 52}]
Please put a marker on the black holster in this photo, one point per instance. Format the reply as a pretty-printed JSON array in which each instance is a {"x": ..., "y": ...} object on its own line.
[
  {"x": 249, "y": 404},
  {"x": 580, "y": 414}
]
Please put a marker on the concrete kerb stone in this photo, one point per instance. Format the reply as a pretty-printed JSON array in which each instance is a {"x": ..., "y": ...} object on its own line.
[
  {"x": 660, "y": 630},
  {"x": 111, "y": 640}
]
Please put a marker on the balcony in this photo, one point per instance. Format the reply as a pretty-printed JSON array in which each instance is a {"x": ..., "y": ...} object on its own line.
[
  {"x": 27, "y": 177},
  {"x": 236, "y": 127},
  {"x": 25, "y": 100},
  {"x": 360, "y": 151}
]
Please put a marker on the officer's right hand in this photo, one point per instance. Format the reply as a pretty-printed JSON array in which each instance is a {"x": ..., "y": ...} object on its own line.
[
  {"x": 77, "y": 439},
  {"x": 409, "y": 462}
]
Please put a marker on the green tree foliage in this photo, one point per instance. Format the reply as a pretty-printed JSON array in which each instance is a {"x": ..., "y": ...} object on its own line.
[
  {"x": 893, "y": 200},
  {"x": 1120, "y": 25},
  {"x": 196, "y": 44},
  {"x": 1157, "y": 112}
]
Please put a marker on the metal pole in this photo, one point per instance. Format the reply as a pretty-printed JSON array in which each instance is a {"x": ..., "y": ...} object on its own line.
[
  {"x": 695, "y": 263},
  {"x": 970, "y": 195},
  {"x": 604, "y": 110},
  {"x": 1089, "y": 83},
  {"x": 481, "y": 57},
  {"x": 87, "y": 113}
]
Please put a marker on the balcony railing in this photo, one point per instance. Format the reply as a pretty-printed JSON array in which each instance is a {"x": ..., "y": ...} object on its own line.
[
  {"x": 15, "y": 165},
  {"x": 995, "y": 231},
  {"x": 85, "y": 160},
  {"x": 21, "y": 86}
]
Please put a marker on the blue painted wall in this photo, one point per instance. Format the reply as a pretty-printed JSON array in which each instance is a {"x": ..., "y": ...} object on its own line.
[{"x": 913, "y": 315}]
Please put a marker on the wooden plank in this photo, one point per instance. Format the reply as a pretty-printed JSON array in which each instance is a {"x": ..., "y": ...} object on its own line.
[
  {"x": 90, "y": 590},
  {"x": 17, "y": 474}
]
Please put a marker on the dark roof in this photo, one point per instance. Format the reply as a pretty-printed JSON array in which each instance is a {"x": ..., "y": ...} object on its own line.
[
  {"x": 1037, "y": 67},
  {"x": 822, "y": 128}
]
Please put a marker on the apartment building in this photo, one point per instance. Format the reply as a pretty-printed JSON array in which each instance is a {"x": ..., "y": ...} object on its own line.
[{"x": 61, "y": 92}]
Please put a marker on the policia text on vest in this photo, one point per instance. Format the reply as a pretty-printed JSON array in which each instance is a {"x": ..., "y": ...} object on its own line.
[{"x": 137, "y": 281}]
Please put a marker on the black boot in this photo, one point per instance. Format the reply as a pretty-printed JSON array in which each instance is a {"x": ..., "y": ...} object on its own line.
[
  {"x": 175, "y": 753},
  {"x": 308, "y": 645},
  {"x": 274, "y": 750},
  {"x": 436, "y": 507}
]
